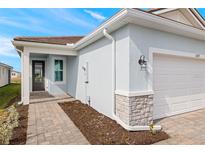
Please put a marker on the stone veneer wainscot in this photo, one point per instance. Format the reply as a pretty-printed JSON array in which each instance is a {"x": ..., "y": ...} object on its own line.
[{"x": 135, "y": 110}]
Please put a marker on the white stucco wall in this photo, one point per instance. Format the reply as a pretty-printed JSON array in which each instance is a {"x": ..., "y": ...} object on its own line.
[
  {"x": 3, "y": 76},
  {"x": 72, "y": 74},
  {"x": 142, "y": 39},
  {"x": 98, "y": 57},
  {"x": 122, "y": 58},
  {"x": 99, "y": 89}
]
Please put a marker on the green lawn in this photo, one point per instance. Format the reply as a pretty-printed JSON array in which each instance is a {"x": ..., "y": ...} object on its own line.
[{"x": 9, "y": 92}]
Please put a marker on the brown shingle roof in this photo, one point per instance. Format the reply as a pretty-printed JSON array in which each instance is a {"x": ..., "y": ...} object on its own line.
[
  {"x": 150, "y": 10},
  {"x": 62, "y": 40},
  {"x": 154, "y": 9}
]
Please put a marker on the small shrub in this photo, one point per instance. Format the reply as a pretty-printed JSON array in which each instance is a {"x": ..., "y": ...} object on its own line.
[{"x": 8, "y": 121}]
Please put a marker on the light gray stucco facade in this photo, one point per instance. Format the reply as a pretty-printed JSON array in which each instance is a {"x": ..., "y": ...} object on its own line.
[{"x": 136, "y": 95}]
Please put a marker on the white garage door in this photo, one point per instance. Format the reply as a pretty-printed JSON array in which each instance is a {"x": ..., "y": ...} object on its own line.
[{"x": 179, "y": 85}]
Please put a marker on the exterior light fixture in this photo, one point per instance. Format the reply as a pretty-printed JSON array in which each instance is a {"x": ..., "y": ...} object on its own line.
[
  {"x": 85, "y": 69},
  {"x": 142, "y": 62}
]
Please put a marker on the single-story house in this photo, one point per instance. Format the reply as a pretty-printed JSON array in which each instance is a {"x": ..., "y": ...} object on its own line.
[
  {"x": 5, "y": 76},
  {"x": 15, "y": 74},
  {"x": 136, "y": 67}
]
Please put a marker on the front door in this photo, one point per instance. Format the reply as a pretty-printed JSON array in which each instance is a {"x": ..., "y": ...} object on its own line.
[{"x": 38, "y": 73}]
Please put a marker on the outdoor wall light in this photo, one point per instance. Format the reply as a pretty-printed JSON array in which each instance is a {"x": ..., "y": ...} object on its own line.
[
  {"x": 84, "y": 68},
  {"x": 142, "y": 62}
]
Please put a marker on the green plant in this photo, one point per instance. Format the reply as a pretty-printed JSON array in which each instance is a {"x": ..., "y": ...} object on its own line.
[
  {"x": 151, "y": 127},
  {"x": 8, "y": 121}
]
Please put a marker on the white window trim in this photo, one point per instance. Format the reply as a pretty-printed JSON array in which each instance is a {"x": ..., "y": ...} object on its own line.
[{"x": 64, "y": 71}]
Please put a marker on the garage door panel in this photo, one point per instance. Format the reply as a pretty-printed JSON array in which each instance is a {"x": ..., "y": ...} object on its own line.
[
  {"x": 179, "y": 85},
  {"x": 162, "y": 112},
  {"x": 195, "y": 103}
]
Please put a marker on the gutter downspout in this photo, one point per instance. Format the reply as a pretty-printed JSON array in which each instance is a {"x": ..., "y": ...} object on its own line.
[
  {"x": 105, "y": 32},
  {"x": 119, "y": 121},
  {"x": 21, "y": 102}
]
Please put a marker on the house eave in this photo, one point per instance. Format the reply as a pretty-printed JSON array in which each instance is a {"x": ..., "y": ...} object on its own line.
[
  {"x": 163, "y": 10},
  {"x": 114, "y": 23},
  {"x": 163, "y": 24},
  {"x": 143, "y": 19},
  {"x": 36, "y": 44},
  {"x": 62, "y": 49},
  {"x": 122, "y": 18},
  {"x": 5, "y": 65}
]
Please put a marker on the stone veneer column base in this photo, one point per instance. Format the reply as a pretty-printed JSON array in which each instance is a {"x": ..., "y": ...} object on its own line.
[{"x": 135, "y": 110}]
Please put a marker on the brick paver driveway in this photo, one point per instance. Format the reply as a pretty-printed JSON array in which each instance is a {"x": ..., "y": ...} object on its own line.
[
  {"x": 48, "y": 124},
  {"x": 188, "y": 128}
]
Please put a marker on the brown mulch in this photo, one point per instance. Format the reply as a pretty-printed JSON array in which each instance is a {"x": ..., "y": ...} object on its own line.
[
  {"x": 13, "y": 101},
  {"x": 99, "y": 129},
  {"x": 20, "y": 132}
]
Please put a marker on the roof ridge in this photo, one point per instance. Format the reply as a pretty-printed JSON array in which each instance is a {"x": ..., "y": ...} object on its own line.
[
  {"x": 154, "y": 9},
  {"x": 62, "y": 40},
  {"x": 48, "y": 36}
]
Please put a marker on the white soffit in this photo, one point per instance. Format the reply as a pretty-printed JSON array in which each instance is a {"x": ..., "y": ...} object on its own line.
[
  {"x": 163, "y": 24},
  {"x": 188, "y": 14},
  {"x": 163, "y": 11},
  {"x": 192, "y": 18}
]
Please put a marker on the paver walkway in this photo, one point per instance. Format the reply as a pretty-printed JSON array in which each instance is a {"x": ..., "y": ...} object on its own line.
[
  {"x": 48, "y": 124},
  {"x": 188, "y": 128}
]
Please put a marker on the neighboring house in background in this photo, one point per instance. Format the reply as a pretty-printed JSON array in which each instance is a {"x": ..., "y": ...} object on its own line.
[
  {"x": 136, "y": 67},
  {"x": 15, "y": 76},
  {"x": 5, "y": 77}
]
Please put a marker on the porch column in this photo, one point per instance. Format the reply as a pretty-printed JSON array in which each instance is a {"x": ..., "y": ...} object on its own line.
[
  {"x": 25, "y": 74},
  {"x": 22, "y": 75}
]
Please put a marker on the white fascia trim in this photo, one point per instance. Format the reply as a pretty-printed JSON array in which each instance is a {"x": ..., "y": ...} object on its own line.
[
  {"x": 6, "y": 66},
  {"x": 130, "y": 15},
  {"x": 167, "y": 25},
  {"x": 195, "y": 12},
  {"x": 99, "y": 30},
  {"x": 176, "y": 53},
  {"x": 44, "y": 45},
  {"x": 133, "y": 93},
  {"x": 136, "y": 128},
  {"x": 164, "y": 10},
  {"x": 196, "y": 19}
]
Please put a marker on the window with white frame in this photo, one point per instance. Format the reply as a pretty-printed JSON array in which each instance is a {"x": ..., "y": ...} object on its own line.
[{"x": 58, "y": 70}]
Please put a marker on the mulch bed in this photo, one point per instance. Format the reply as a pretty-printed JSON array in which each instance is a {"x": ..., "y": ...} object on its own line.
[
  {"x": 20, "y": 132},
  {"x": 13, "y": 101},
  {"x": 99, "y": 129}
]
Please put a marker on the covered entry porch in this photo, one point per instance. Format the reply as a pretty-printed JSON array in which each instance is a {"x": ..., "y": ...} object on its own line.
[{"x": 44, "y": 70}]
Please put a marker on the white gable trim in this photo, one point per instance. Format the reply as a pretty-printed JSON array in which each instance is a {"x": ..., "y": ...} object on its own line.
[
  {"x": 158, "y": 12},
  {"x": 196, "y": 19},
  {"x": 196, "y": 13},
  {"x": 163, "y": 11}
]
